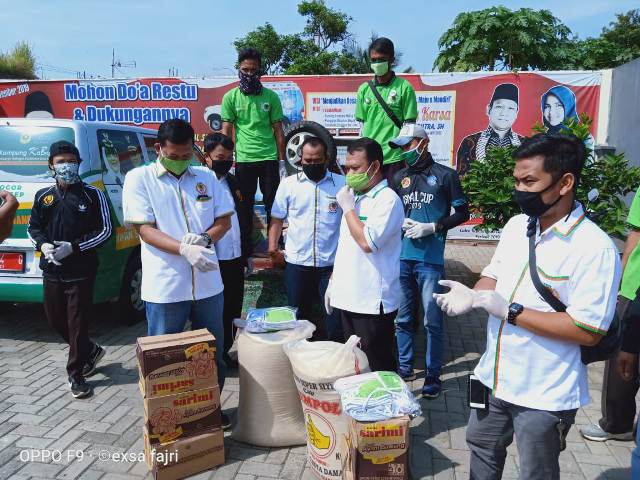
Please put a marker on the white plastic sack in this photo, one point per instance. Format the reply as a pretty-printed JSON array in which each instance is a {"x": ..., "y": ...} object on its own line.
[
  {"x": 316, "y": 365},
  {"x": 269, "y": 413}
]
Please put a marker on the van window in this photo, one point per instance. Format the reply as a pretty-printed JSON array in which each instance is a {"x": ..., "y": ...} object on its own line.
[
  {"x": 24, "y": 151},
  {"x": 120, "y": 151},
  {"x": 149, "y": 143}
]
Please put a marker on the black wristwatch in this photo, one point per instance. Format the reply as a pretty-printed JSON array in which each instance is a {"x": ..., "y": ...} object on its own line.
[
  {"x": 515, "y": 309},
  {"x": 207, "y": 238}
]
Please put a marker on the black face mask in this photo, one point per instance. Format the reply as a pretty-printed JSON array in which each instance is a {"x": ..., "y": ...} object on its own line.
[
  {"x": 221, "y": 167},
  {"x": 531, "y": 203},
  {"x": 315, "y": 171},
  {"x": 250, "y": 83}
]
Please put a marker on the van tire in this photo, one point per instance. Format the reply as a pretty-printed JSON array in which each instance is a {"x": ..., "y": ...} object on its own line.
[
  {"x": 295, "y": 134},
  {"x": 130, "y": 304}
]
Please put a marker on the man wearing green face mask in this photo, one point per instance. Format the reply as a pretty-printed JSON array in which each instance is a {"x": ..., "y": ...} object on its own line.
[
  {"x": 179, "y": 212},
  {"x": 364, "y": 283},
  {"x": 399, "y": 96},
  {"x": 428, "y": 190}
]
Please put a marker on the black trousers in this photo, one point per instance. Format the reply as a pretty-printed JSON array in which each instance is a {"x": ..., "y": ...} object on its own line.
[
  {"x": 67, "y": 307},
  {"x": 248, "y": 174},
  {"x": 390, "y": 169},
  {"x": 232, "y": 273},
  {"x": 377, "y": 337},
  {"x": 618, "y": 401}
]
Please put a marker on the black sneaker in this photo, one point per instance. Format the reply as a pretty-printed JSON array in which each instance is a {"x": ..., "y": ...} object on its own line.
[
  {"x": 94, "y": 357},
  {"x": 79, "y": 387},
  {"x": 407, "y": 375},
  {"x": 226, "y": 421},
  {"x": 432, "y": 387}
]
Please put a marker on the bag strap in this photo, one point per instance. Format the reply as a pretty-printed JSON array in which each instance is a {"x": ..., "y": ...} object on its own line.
[
  {"x": 546, "y": 294},
  {"x": 384, "y": 104}
]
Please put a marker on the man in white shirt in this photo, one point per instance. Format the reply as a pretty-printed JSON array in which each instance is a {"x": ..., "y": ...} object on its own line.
[
  {"x": 532, "y": 362},
  {"x": 179, "y": 212},
  {"x": 308, "y": 201},
  {"x": 366, "y": 276},
  {"x": 218, "y": 150}
]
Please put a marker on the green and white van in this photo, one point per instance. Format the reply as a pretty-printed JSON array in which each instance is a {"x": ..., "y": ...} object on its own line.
[{"x": 108, "y": 152}]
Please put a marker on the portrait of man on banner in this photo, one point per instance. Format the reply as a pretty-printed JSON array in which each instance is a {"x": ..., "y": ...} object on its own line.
[{"x": 502, "y": 112}]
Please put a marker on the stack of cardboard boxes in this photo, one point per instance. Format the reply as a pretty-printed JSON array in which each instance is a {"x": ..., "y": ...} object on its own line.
[{"x": 182, "y": 423}]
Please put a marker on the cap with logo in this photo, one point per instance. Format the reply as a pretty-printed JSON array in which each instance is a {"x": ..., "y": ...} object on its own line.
[
  {"x": 408, "y": 132},
  {"x": 62, "y": 147}
]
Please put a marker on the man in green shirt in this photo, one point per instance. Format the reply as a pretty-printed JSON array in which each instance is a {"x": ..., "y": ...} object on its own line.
[
  {"x": 255, "y": 114},
  {"x": 398, "y": 95},
  {"x": 620, "y": 384}
]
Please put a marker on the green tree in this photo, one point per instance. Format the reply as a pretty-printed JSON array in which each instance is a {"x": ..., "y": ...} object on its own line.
[
  {"x": 619, "y": 43},
  {"x": 325, "y": 45},
  {"x": 18, "y": 63},
  {"x": 498, "y": 38}
]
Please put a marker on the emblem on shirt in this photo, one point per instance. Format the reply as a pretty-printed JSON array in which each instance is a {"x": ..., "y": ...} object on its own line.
[
  {"x": 432, "y": 180},
  {"x": 82, "y": 208},
  {"x": 47, "y": 200},
  {"x": 367, "y": 101},
  {"x": 333, "y": 207},
  {"x": 266, "y": 107},
  {"x": 392, "y": 96},
  {"x": 201, "y": 188},
  {"x": 406, "y": 181}
]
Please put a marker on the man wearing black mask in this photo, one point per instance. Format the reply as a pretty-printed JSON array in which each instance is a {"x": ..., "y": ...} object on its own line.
[
  {"x": 308, "y": 202},
  {"x": 532, "y": 377},
  {"x": 255, "y": 114},
  {"x": 218, "y": 150}
]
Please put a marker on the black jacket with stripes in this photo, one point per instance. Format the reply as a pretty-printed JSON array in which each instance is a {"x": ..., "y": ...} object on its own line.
[{"x": 78, "y": 214}]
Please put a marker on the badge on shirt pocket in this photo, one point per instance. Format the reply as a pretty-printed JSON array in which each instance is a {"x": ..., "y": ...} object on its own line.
[
  {"x": 201, "y": 189},
  {"x": 333, "y": 207}
]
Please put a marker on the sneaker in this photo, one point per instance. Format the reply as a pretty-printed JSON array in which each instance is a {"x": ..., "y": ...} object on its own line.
[
  {"x": 79, "y": 387},
  {"x": 432, "y": 387},
  {"x": 94, "y": 357},
  {"x": 226, "y": 421},
  {"x": 597, "y": 434},
  {"x": 407, "y": 375}
]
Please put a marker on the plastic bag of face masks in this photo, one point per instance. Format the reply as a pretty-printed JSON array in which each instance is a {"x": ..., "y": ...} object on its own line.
[
  {"x": 272, "y": 319},
  {"x": 269, "y": 412},
  {"x": 376, "y": 396}
]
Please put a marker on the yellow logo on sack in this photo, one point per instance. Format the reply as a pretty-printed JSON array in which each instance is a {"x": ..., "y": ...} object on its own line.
[{"x": 48, "y": 200}]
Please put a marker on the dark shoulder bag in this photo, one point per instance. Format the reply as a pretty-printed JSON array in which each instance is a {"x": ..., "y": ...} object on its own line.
[
  {"x": 384, "y": 104},
  {"x": 608, "y": 345}
]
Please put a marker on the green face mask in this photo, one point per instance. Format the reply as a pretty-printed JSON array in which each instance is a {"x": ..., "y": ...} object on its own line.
[
  {"x": 358, "y": 181},
  {"x": 413, "y": 155},
  {"x": 177, "y": 167},
  {"x": 380, "y": 68}
]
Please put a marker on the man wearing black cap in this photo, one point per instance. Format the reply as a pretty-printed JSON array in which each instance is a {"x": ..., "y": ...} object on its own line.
[
  {"x": 69, "y": 220},
  {"x": 502, "y": 112}
]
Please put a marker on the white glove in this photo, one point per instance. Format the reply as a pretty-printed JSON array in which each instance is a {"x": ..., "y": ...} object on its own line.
[
  {"x": 62, "y": 250},
  {"x": 346, "y": 199},
  {"x": 327, "y": 300},
  {"x": 197, "y": 255},
  {"x": 418, "y": 229},
  {"x": 456, "y": 301},
  {"x": 47, "y": 250},
  {"x": 407, "y": 224},
  {"x": 492, "y": 302},
  {"x": 193, "y": 239}
]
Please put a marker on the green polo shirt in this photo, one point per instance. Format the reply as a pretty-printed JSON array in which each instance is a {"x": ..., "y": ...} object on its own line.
[
  {"x": 253, "y": 117},
  {"x": 631, "y": 276},
  {"x": 401, "y": 98}
]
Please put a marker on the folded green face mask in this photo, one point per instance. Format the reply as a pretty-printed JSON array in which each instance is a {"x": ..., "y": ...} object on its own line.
[{"x": 386, "y": 382}]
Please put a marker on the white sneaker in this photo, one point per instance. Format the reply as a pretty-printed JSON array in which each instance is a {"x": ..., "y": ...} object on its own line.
[{"x": 596, "y": 434}]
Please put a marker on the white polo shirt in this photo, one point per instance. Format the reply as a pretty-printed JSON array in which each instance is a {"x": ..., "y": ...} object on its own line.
[
  {"x": 191, "y": 203},
  {"x": 314, "y": 218},
  {"x": 581, "y": 265},
  {"x": 229, "y": 246},
  {"x": 362, "y": 281}
]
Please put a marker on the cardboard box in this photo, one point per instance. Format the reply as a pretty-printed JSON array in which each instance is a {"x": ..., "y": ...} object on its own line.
[
  {"x": 185, "y": 457},
  {"x": 177, "y": 362},
  {"x": 377, "y": 450},
  {"x": 182, "y": 415}
]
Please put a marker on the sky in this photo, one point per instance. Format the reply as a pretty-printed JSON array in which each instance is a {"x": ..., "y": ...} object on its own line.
[{"x": 195, "y": 36}]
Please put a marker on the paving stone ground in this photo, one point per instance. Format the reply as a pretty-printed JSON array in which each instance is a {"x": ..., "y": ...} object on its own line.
[{"x": 38, "y": 413}]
